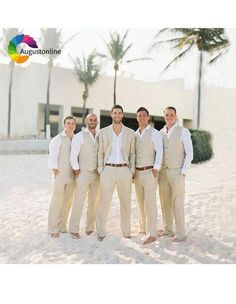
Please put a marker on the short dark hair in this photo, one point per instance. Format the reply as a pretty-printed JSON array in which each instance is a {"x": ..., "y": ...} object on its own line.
[
  {"x": 143, "y": 109},
  {"x": 68, "y": 117},
  {"x": 170, "y": 108},
  {"x": 117, "y": 107}
]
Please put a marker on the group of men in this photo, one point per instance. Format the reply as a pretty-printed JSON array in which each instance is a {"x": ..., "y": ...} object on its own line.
[{"x": 91, "y": 164}]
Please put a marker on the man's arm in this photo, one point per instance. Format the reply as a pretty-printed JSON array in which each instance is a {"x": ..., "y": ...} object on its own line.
[
  {"x": 158, "y": 146},
  {"x": 100, "y": 153},
  {"x": 76, "y": 144},
  {"x": 188, "y": 148},
  {"x": 54, "y": 149},
  {"x": 132, "y": 154}
]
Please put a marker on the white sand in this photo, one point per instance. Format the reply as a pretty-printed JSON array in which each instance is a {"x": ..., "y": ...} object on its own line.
[{"x": 25, "y": 186}]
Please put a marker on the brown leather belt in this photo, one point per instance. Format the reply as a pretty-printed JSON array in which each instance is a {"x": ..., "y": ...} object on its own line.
[
  {"x": 116, "y": 165},
  {"x": 144, "y": 168}
]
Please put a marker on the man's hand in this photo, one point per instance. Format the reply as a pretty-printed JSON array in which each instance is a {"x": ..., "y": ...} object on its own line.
[
  {"x": 155, "y": 172},
  {"x": 77, "y": 172},
  {"x": 55, "y": 172}
]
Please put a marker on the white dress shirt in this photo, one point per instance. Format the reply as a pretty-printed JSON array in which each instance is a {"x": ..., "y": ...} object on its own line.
[
  {"x": 158, "y": 145},
  {"x": 116, "y": 155},
  {"x": 54, "y": 149},
  {"x": 187, "y": 143},
  {"x": 76, "y": 144}
]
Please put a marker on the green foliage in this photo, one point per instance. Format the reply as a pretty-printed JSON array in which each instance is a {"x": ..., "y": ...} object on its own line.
[
  {"x": 87, "y": 70},
  {"x": 202, "y": 149}
]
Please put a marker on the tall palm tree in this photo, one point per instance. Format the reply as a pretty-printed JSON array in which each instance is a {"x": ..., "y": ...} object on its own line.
[
  {"x": 7, "y": 35},
  {"x": 52, "y": 38},
  {"x": 117, "y": 51},
  {"x": 87, "y": 71},
  {"x": 211, "y": 41}
]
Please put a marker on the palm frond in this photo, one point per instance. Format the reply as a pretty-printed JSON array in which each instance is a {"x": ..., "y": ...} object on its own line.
[
  {"x": 7, "y": 35},
  {"x": 87, "y": 70},
  {"x": 124, "y": 37},
  {"x": 125, "y": 51},
  {"x": 138, "y": 59},
  {"x": 213, "y": 60},
  {"x": 178, "y": 57},
  {"x": 68, "y": 40},
  {"x": 175, "y": 41}
]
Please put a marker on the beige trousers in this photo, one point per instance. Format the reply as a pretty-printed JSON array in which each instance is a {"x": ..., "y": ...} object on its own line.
[
  {"x": 145, "y": 188},
  {"x": 87, "y": 185},
  {"x": 172, "y": 191},
  {"x": 111, "y": 177},
  {"x": 61, "y": 201}
]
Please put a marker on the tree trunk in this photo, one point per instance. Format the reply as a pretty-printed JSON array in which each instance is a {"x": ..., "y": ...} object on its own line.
[
  {"x": 47, "y": 110},
  {"x": 199, "y": 90},
  {"x": 114, "y": 93},
  {"x": 12, "y": 65},
  {"x": 85, "y": 96}
]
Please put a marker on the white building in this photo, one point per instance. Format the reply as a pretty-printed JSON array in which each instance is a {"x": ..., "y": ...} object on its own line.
[{"x": 29, "y": 99}]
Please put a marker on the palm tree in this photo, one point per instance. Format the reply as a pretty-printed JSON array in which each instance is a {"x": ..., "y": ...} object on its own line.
[
  {"x": 52, "y": 38},
  {"x": 88, "y": 73},
  {"x": 211, "y": 41},
  {"x": 7, "y": 35},
  {"x": 117, "y": 51}
]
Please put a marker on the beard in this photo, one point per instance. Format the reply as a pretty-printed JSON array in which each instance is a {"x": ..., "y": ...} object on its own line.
[
  {"x": 117, "y": 121},
  {"x": 92, "y": 126}
]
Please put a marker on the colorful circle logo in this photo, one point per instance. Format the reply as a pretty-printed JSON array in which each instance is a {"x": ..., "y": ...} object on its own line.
[{"x": 12, "y": 51}]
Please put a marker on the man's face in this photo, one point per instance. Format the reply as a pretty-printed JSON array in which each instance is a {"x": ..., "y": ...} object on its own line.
[
  {"x": 92, "y": 121},
  {"x": 117, "y": 116},
  {"x": 142, "y": 118},
  {"x": 170, "y": 117},
  {"x": 69, "y": 125}
]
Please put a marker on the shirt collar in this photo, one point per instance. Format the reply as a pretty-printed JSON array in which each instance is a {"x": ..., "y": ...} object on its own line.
[
  {"x": 147, "y": 128},
  {"x": 172, "y": 128},
  {"x": 63, "y": 133},
  {"x": 121, "y": 132},
  {"x": 87, "y": 131}
]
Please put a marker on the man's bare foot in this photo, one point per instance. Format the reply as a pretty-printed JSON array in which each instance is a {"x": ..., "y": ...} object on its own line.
[
  {"x": 149, "y": 240},
  {"x": 55, "y": 235},
  {"x": 89, "y": 232},
  {"x": 75, "y": 235},
  {"x": 142, "y": 232},
  {"x": 163, "y": 233},
  {"x": 101, "y": 238},
  {"x": 178, "y": 240}
]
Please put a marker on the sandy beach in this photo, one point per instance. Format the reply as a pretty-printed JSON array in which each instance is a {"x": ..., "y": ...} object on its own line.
[{"x": 25, "y": 186}]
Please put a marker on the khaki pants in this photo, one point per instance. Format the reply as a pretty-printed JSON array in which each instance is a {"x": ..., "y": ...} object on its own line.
[
  {"x": 121, "y": 177},
  {"x": 87, "y": 185},
  {"x": 61, "y": 201},
  {"x": 172, "y": 191},
  {"x": 145, "y": 188}
]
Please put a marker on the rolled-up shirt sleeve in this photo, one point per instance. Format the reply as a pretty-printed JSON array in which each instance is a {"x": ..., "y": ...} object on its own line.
[
  {"x": 188, "y": 148},
  {"x": 158, "y": 145},
  {"x": 54, "y": 148},
  {"x": 76, "y": 144}
]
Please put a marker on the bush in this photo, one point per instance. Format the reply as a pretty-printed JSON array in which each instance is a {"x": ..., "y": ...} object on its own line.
[{"x": 202, "y": 149}]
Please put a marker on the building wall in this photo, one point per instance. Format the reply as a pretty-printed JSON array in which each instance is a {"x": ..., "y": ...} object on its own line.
[
  {"x": 29, "y": 90},
  {"x": 218, "y": 116}
]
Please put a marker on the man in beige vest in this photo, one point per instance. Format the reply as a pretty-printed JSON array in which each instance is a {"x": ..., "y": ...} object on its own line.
[
  {"x": 83, "y": 159},
  {"x": 116, "y": 165},
  {"x": 64, "y": 178},
  {"x": 177, "y": 157},
  {"x": 149, "y": 153}
]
